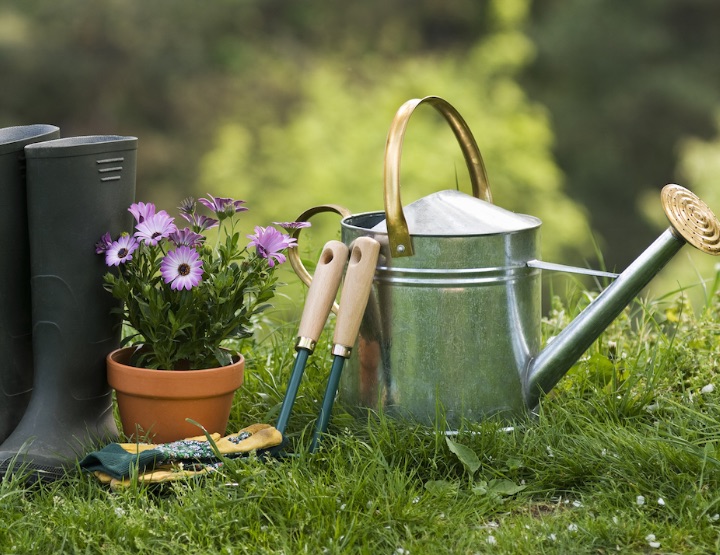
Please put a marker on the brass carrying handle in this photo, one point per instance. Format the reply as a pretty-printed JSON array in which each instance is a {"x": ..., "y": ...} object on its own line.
[
  {"x": 293, "y": 254},
  {"x": 398, "y": 233}
]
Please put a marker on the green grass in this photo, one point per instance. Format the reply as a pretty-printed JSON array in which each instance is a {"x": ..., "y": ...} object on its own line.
[{"x": 622, "y": 457}]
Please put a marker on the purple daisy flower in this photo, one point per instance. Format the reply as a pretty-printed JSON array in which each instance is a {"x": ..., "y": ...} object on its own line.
[
  {"x": 182, "y": 268},
  {"x": 120, "y": 251},
  {"x": 293, "y": 225},
  {"x": 155, "y": 228},
  {"x": 223, "y": 206},
  {"x": 103, "y": 244},
  {"x": 268, "y": 243},
  {"x": 142, "y": 211},
  {"x": 200, "y": 223},
  {"x": 186, "y": 238},
  {"x": 187, "y": 206}
]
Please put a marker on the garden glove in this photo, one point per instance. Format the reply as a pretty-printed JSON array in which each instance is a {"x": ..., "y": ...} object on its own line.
[{"x": 116, "y": 463}]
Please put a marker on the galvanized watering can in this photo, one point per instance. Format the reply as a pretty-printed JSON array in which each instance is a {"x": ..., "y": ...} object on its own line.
[{"x": 452, "y": 328}]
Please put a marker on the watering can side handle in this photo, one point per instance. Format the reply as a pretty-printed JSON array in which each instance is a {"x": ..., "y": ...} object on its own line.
[
  {"x": 398, "y": 233},
  {"x": 294, "y": 255}
]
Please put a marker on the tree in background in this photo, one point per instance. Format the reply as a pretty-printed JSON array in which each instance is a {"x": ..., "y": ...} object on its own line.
[
  {"x": 298, "y": 96},
  {"x": 626, "y": 83},
  {"x": 699, "y": 168},
  {"x": 155, "y": 70},
  {"x": 329, "y": 149}
]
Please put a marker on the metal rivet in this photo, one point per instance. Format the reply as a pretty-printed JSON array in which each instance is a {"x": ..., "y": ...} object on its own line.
[{"x": 401, "y": 248}]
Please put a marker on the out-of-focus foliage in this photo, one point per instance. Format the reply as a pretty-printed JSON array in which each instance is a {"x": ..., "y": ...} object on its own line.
[
  {"x": 330, "y": 148},
  {"x": 699, "y": 170},
  {"x": 295, "y": 98},
  {"x": 626, "y": 83},
  {"x": 147, "y": 69}
]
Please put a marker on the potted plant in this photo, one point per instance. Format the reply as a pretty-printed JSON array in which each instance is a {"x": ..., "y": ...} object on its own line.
[{"x": 184, "y": 296}]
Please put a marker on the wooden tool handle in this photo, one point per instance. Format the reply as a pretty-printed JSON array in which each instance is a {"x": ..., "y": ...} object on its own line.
[
  {"x": 323, "y": 289},
  {"x": 356, "y": 291}
]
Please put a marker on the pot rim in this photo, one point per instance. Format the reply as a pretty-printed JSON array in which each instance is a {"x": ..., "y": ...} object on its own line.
[{"x": 190, "y": 384}]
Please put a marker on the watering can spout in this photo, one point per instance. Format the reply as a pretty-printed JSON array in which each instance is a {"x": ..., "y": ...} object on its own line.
[{"x": 691, "y": 221}]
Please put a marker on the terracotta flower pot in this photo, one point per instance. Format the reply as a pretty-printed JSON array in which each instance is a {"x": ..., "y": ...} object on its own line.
[{"x": 154, "y": 404}]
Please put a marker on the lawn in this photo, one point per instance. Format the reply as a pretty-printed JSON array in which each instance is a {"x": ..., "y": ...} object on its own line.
[{"x": 621, "y": 457}]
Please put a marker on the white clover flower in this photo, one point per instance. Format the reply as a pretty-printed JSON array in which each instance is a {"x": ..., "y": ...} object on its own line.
[
  {"x": 640, "y": 500},
  {"x": 491, "y": 540}
]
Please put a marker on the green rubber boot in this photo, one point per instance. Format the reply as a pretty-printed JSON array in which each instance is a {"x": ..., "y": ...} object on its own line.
[
  {"x": 78, "y": 189},
  {"x": 16, "y": 371}
]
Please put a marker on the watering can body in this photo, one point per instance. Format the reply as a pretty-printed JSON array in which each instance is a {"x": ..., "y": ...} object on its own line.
[
  {"x": 442, "y": 337},
  {"x": 452, "y": 329}
]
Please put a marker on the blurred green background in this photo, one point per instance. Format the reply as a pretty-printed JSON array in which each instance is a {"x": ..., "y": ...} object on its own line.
[{"x": 582, "y": 109}]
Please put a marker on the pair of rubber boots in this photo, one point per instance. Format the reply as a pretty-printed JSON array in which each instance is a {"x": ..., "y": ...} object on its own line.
[{"x": 59, "y": 196}]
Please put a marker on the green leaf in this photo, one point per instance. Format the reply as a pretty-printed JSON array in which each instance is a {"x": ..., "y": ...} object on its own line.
[
  {"x": 223, "y": 356},
  {"x": 601, "y": 368},
  {"x": 504, "y": 488},
  {"x": 497, "y": 489},
  {"x": 466, "y": 455},
  {"x": 480, "y": 488},
  {"x": 513, "y": 463}
]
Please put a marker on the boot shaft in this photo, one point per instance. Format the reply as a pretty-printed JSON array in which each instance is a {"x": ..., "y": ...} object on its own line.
[
  {"x": 16, "y": 368},
  {"x": 78, "y": 189},
  {"x": 14, "y": 249}
]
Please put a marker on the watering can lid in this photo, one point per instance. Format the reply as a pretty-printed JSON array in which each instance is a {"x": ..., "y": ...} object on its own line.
[{"x": 454, "y": 213}]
